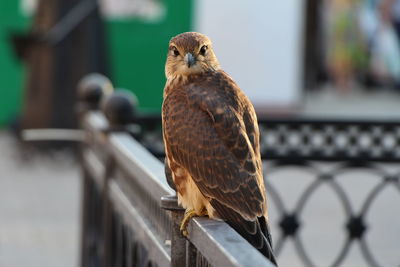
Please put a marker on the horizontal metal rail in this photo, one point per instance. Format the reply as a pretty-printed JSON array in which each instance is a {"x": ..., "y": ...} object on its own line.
[
  {"x": 223, "y": 246},
  {"x": 95, "y": 167},
  {"x": 131, "y": 156}
]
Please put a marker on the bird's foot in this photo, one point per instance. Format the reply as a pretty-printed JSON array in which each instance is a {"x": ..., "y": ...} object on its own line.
[
  {"x": 188, "y": 215},
  {"x": 186, "y": 218}
]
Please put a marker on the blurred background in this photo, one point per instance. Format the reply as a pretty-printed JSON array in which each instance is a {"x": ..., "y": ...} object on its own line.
[{"x": 312, "y": 58}]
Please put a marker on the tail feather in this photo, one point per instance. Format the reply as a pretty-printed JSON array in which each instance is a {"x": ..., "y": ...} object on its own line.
[{"x": 255, "y": 232}]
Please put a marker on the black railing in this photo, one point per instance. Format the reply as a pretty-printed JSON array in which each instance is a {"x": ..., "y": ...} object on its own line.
[
  {"x": 130, "y": 214},
  {"x": 326, "y": 150},
  {"x": 125, "y": 224}
]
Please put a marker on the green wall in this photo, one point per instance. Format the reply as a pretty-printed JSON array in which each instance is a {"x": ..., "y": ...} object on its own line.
[
  {"x": 137, "y": 49},
  {"x": 11, "y": 71}
]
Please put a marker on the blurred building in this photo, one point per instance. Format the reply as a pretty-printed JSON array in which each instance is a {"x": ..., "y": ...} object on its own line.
[{"x": 136, "y": 36}]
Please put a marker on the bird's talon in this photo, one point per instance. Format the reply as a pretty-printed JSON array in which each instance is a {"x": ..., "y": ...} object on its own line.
[
  {"x": 188, "y": 215},
  {"x": 185, "y": 233}
]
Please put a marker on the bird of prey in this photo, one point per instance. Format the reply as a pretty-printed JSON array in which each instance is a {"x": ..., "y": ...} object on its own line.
[{"x": 211, "y": 139}]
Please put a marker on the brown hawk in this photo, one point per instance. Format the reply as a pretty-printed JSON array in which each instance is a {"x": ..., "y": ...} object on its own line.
[{"x": 211, "y": 141}]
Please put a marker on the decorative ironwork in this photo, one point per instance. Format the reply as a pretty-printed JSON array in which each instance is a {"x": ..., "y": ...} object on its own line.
[
  {"x": 307, "y": 139},
  {"x": 303, "y": 143},
  {"x": 355, "y": 226},
  {"x": 330, "y": 140}
]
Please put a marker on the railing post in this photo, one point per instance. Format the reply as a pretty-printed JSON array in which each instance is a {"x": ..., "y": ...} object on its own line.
[
  {"x": 178, "y": 241},
  {"x": 119, "y": 108},
  {"x": 90, "y": 90},
  {"x": 191, "y": 254}
]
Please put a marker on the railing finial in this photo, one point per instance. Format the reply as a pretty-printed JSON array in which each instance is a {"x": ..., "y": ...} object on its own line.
[
  {"x": 92, "y": 88},
  {"x": 120, "y": 108}
]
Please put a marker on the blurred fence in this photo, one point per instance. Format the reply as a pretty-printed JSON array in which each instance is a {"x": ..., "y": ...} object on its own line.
[{"x": 131, "y": 218}]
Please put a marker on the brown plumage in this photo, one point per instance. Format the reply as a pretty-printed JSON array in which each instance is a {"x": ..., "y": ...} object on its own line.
[{"x": 211, "y": 141}]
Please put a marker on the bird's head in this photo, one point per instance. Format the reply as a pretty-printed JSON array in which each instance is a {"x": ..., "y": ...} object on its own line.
[{"x": 190, "y": 53}]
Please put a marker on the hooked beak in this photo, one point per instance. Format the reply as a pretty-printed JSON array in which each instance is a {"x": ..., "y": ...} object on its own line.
[{"x": 189, "y": 60}]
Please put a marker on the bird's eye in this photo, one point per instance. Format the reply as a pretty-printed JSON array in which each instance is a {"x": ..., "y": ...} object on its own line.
[
  {"x": 175, "y": 51},
  {"x": 203, "y": 50}
]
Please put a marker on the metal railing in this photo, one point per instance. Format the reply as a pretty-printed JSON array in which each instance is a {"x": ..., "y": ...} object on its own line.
[
  {"x": 131, "y": 219},
  {"x": 131, "y": 216},
  {"x": 327, "y": 151}
]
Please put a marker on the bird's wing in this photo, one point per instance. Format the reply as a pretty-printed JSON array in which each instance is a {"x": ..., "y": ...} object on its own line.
[
  {"x": 168, "y": 174},
  {"x": 209, "y": 138},
  {"x": 255, "y": 232}
]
